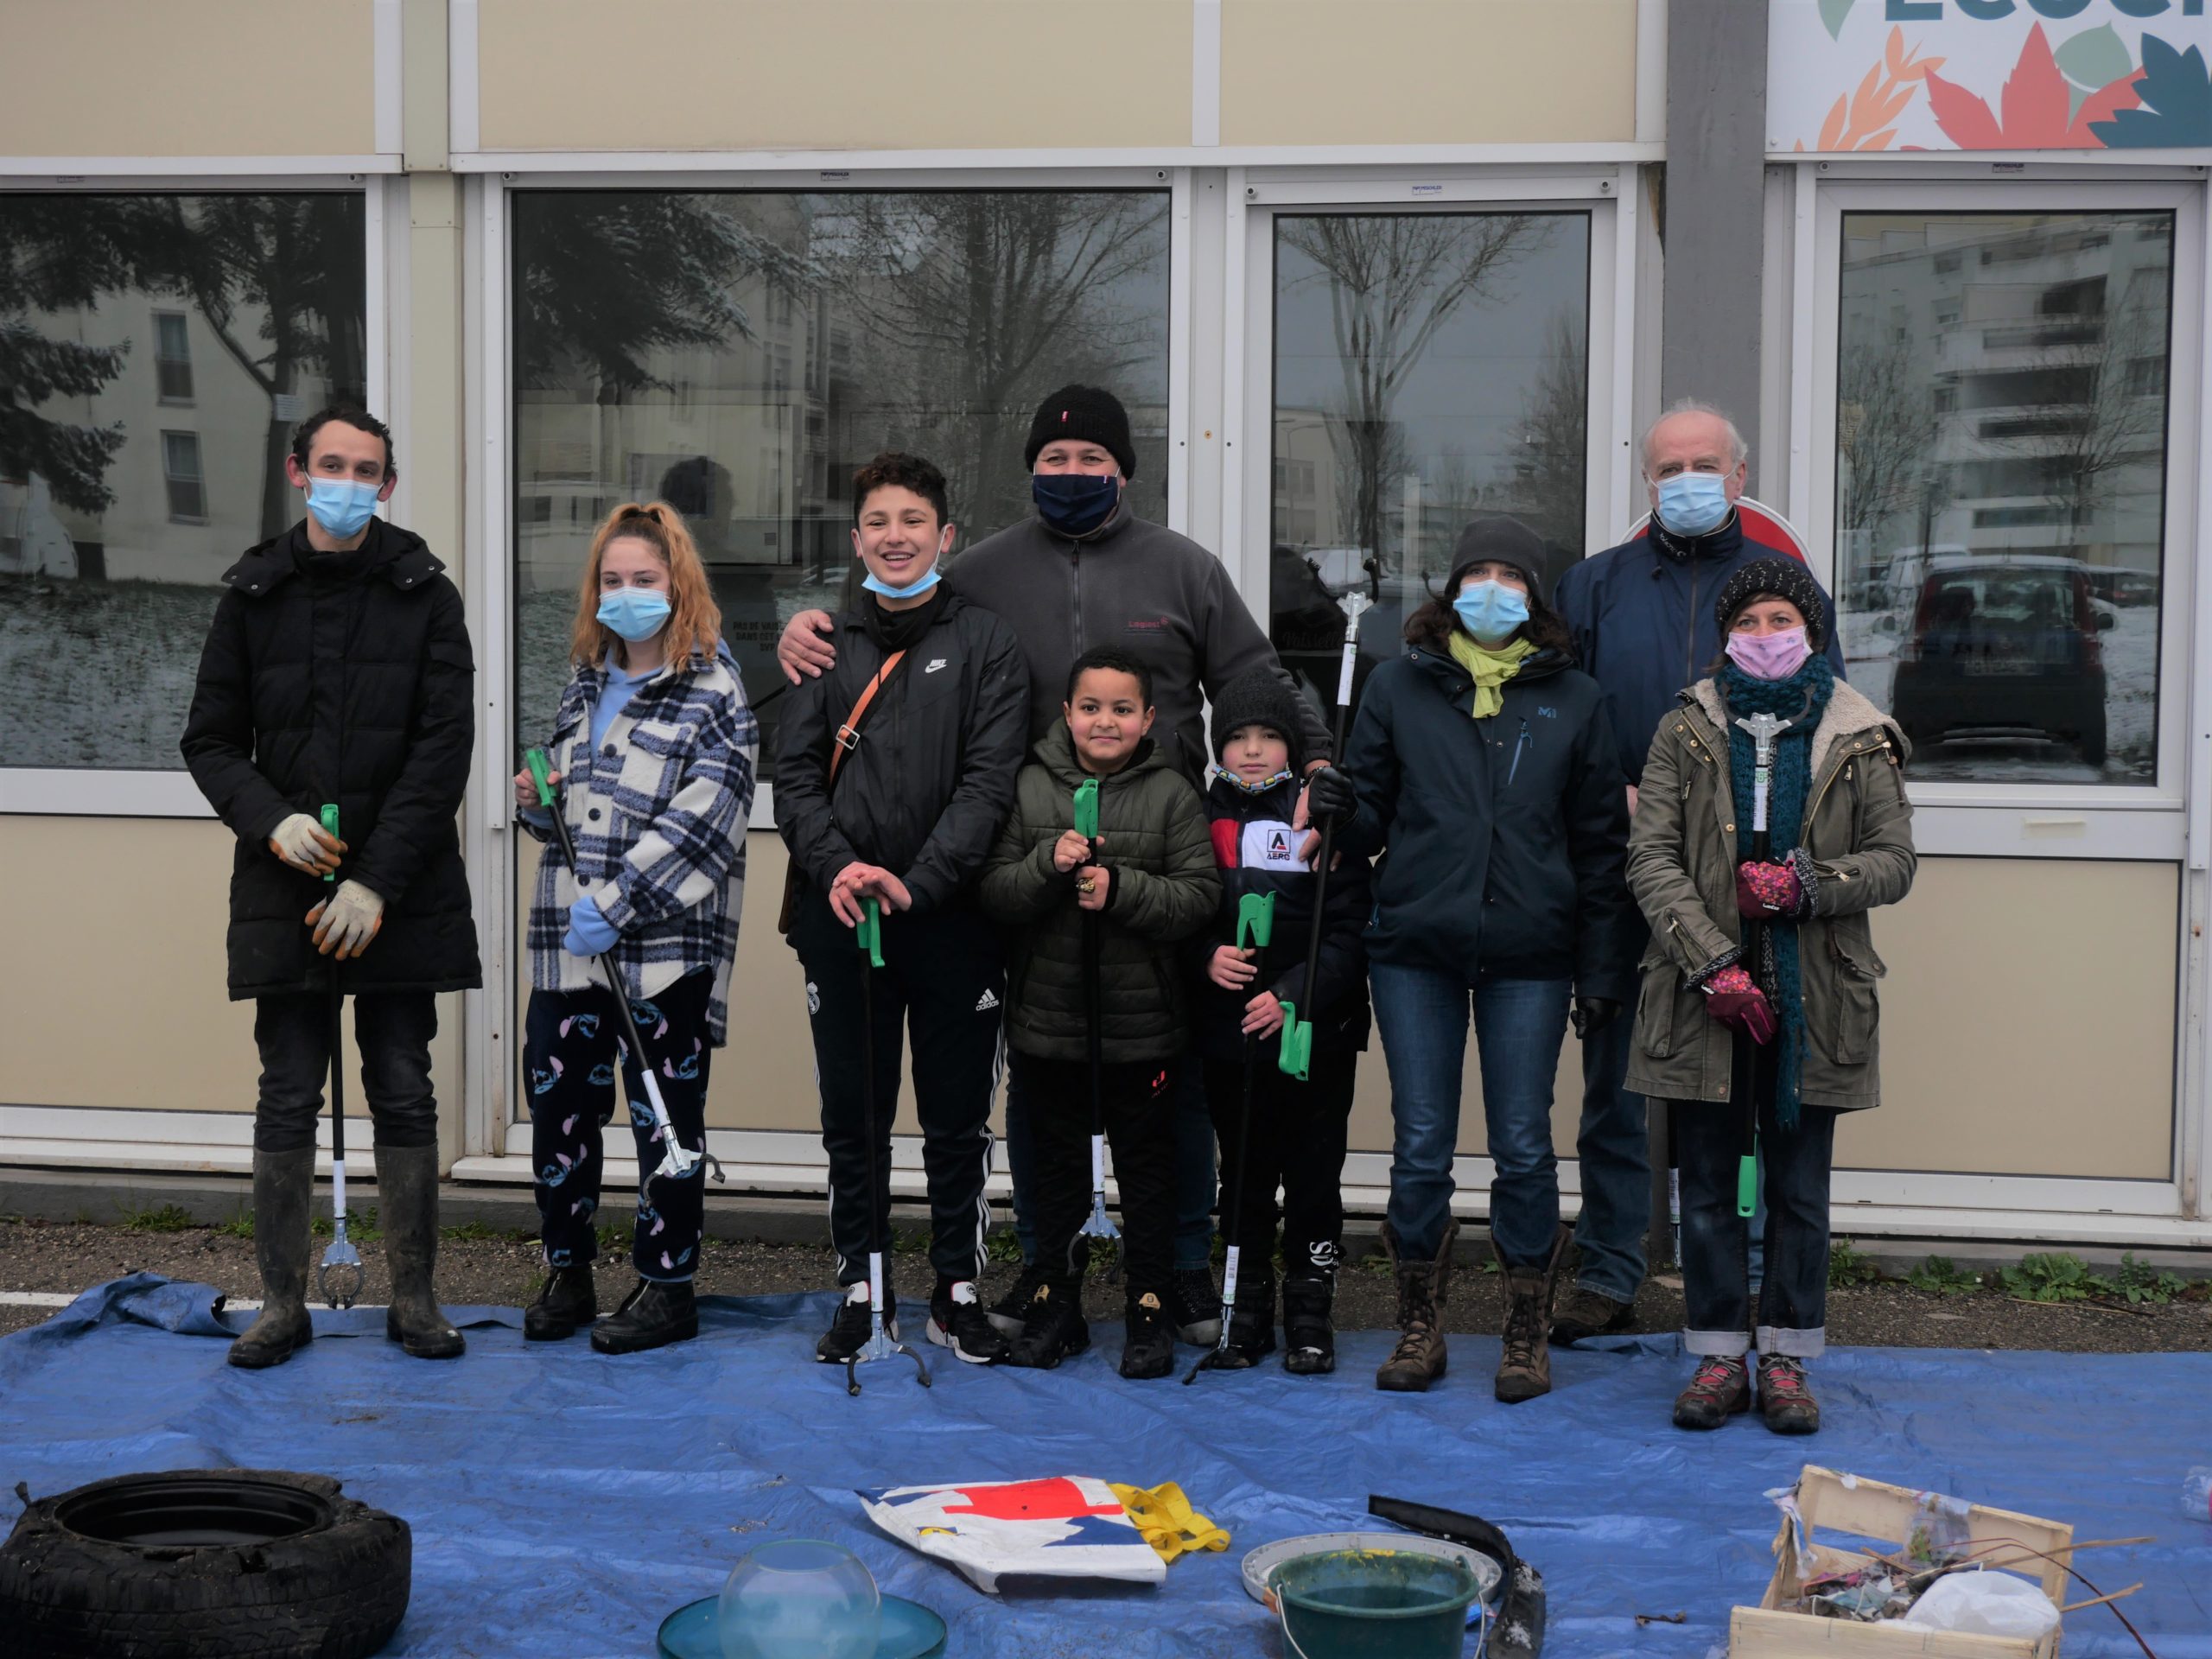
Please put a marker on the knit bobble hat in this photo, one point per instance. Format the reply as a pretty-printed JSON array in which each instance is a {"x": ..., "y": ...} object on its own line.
[
  {"x": 1784, "y": 578},
  {"x": 1259, "y": 698},
  {"x": 1082, "y": 415},
  {"x": 1497, "y": 539}
]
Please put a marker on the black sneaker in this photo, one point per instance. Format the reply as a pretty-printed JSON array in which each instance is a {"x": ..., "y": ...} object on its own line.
[
  {"x": 659, "y": 1311},
  {"x": 1054, "y": 1330},
  {"x": 957, "y": 1321},
  {"x": 1194, "y": 1306},
  {"x": 567, "y": 1299},
  {"x": 849, "y": 1333},
  {"x": 1008, "y": 1312},
  {"x": 1149, "y": 1350}
]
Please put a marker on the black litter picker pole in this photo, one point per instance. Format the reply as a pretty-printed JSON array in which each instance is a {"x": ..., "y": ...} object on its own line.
[
  {"x": 1098, "y": 1223},
  {"x": 1255, "y": 925},
  {"x": 869, "y": 937},
  {"x": 339, "y": 1276},
  {"x": 1764, "y": 729},
  {"x": 676, "y": 1159}
]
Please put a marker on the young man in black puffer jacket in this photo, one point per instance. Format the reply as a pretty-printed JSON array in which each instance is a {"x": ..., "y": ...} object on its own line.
[{"x": 1298, "y": 1129}]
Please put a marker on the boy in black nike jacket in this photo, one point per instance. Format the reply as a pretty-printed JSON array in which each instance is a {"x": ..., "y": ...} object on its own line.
[{"x": 894, "y": 772}]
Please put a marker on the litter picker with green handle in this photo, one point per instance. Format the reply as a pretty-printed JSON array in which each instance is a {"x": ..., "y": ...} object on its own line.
[
  {"x": 339, "y": 1276},
  {"x": 1297, "y": 1055},
  {"x": 1100, "y": 1224},
  {"x": 678, "y": 1160},
  {"x": 1255, "y": 925},
  {"x": 1764, "y": 729},
  {"x": 868, "y": 936}
]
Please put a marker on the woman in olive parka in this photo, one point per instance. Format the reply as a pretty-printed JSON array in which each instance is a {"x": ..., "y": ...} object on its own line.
[{"x": 1797, "y": 1029}]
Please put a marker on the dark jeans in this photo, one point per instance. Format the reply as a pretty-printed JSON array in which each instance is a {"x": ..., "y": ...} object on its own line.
[
  {"x": 1716, "y": 1266},
  {"x": 1298, "y": 1141},
  {"x": 1519, "y": 1024},
  {"x": 392, "y": 1029},
  {"x": 941, "y": 986},
  {"x": 1140, "y": 1128},
  {"x": 1194, "y": 1169},
  {"x": 571, "y": 1041},
  {"x": 1614, "y": 1147}
]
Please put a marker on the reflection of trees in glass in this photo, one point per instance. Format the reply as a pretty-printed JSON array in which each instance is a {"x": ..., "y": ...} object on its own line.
[
  {"x": 1394, "y": 280},
  {"x": 2117, "y": 423},
  {"x": 1554, "y": 421},
  {"x": 1885, "y": 432}
]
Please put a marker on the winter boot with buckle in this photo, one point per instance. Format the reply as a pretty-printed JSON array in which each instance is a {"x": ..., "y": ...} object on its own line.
[
  {"x": 283, "y": 1188},
  {"x": 1720, "y": 1390},
  {"x": 655, "y": 1313},
  {"x": 1785, "y": 1402},
  {"x": 1252, "y": 1325},
  {"x": 1309, "y": 1340},
  {"x": 1524, "y": 1369},
  {"x": 1148, "y": 1350},
  {"x": 569, "y": 1298},
  {"x": 1418, "y": 1360},
  {"x": 407, "y": 1193}
]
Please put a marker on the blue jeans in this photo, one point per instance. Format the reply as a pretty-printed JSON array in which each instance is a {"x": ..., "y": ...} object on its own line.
[
  {"x": 1421, "y": 1014},
  {"x": 1614, "y": 1146}
]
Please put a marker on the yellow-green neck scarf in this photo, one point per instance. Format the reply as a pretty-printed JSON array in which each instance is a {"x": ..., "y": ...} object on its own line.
[{"x": 1491, "y": 666}]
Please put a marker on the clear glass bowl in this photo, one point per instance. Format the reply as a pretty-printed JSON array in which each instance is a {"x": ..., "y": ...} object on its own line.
[{"x": 799, "y": 1599}]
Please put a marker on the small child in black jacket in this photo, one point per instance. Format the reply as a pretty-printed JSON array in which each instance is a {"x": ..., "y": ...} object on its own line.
[{"x": 1297, "y": 1128}]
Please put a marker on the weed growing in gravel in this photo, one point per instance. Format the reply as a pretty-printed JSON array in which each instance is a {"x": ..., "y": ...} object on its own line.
[
  {"x": 360, "y": 1225},
  {"x": 1941, "y": 1276},
  {"x": 2052, "y": 1276},
  {"x": 170, "y": 1219},
  {"x": 1004, "y": 1245},
  {"x": 2138, "y": 1282},
  {"x": 481, "y": 1232},
  {"x": 240, "y": 1226},
  {"x": 1847, "y": 1268},
  {"x": 614, "y": 1241}
]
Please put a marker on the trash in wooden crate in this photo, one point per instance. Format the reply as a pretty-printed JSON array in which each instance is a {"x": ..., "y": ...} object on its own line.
[{"x": 1924, "y": 1574}]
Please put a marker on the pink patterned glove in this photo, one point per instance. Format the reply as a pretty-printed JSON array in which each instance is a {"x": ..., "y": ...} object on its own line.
[
  {"x": 1737, "y": 1002},
  {"x": 1767, "y": 893}
]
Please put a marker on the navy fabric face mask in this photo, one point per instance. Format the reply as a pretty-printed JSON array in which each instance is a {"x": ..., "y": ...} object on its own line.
[{"x": 1074, "y": 503}]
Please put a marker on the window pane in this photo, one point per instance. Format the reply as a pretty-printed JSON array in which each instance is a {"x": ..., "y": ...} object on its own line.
[
  {"x": 2000, "y": 486},
  {"x": 105, "y": 528},
  {"x": 1429, "y": 368},
  {"x": 739, "y": 354}
]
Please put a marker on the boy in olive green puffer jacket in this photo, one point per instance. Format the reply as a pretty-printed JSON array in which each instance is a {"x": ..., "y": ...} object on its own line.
[{"x": 1148, "y": 882}]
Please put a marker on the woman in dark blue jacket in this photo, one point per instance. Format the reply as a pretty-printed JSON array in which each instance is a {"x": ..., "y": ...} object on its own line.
[{"x": 1481, "y": 766}]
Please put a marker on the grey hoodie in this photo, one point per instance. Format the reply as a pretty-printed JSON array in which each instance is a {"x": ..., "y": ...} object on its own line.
[{"x": 1140, "y": 587}]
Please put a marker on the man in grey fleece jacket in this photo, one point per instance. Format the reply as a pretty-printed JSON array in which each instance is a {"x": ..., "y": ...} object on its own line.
[{"x": 1087, "y": 572}]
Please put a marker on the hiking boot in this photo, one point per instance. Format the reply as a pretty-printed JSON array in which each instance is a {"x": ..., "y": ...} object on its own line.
[
  {"x": 1007, "y": 1313},
  {"x": 407, "y": 1188},
  {"x": 1149, "y": 1349},
  {"x": 569, "y": 1298},
  {"x": 957, "y": 1321},
  {"x": 1720, "y": 1390},
  {"x": 1251, "y": 1326},
  {"x": 1309, "y": 1340},
  {"x": 1194, "y": 1306},
  {"x": 657, "y": 1312},
  {"x": 1054, "y": 1329},
  {"x": 283, "y": 1190},
  {"x": 849, "y": 1333},
  {"x": 1784, "y": 1400},
  {"x": 1418, "y": 1360},
  {"x": 1586, "y": 1312},
  {"x": 1524, "y": 1369}
]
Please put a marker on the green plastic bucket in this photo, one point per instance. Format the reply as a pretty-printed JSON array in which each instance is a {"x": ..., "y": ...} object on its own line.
[{"x": 1373, "y": 1604}]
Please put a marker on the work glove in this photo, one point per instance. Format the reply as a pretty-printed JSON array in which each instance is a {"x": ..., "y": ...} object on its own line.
[
  {"x": 1735, "y": 1001},
  {"x": 1769, "y": 892},
  {"x": 1591, "y": 1015},
  {"x": 306, "y": 845},
  {"x": 590, "y": 934},
  {"x": 1328, "y": 794},
  {"x": 347, "y": 920}
]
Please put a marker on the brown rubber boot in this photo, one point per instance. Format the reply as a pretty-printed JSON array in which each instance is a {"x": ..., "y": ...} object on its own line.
[
  {"x": 283, "y": 1188},
  {"x": 1418, "y": 1360},
  {"x": 1525, "y": 1370}
]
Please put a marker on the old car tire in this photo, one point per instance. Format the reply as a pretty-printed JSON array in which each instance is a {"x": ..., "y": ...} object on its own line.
[{"x": 203, "y": 1562}]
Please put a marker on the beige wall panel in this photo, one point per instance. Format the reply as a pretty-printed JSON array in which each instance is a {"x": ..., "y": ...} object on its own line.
[
  {"x": 124, "y": 1005},
  {"x": 1427, "y": 72},
  {"x": 2027, "y": 1021},
  {"x": 214, "y": 78},
  {"x": 810, "y": 75}
]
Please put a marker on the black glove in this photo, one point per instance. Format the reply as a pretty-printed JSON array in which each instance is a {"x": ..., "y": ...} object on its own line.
[
  {"x": 1591, "y": 1015},
  {"x": 1328, "y": 794}
]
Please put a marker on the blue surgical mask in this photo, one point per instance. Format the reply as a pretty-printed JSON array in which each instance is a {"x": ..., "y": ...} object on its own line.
[
  {"x": 1074, "y": 503},
  {"x": 921, "y": 584},
  {"x": 1491, "y": 610},
  {"x": 636, "y": 614},
  {"x": 1693, "y": 503},
  {"x": 340, "y": 505}
]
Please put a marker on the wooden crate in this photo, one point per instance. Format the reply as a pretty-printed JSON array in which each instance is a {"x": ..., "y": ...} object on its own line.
[{"x": 1877, "y": 1511}]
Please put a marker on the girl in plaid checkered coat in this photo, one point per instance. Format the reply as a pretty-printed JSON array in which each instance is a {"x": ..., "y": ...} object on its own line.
[{"x": 654, "y": 746}]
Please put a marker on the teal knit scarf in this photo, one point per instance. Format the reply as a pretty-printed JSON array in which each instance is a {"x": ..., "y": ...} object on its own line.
[{"x": 1801, "y": 699}]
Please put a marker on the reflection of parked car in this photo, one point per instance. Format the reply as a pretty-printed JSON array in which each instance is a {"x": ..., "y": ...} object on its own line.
[
  {"x": 2124, "y": 588},
  {"x": 2004, "y": 646}
]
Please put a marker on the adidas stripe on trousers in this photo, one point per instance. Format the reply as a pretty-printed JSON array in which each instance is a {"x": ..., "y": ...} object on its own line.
[{"x": 941, "y": 988}]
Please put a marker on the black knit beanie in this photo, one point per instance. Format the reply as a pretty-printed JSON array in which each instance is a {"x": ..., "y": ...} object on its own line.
[
  {"x": 1497, "y": 539},
  {"x": 1082, "y": 415},
  {"x": 1260, "y": 698},
  {"x": 1785, "y": 578}
]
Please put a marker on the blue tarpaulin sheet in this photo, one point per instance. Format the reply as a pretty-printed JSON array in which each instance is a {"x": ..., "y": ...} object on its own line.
[{"x": 564, "y": 1502}]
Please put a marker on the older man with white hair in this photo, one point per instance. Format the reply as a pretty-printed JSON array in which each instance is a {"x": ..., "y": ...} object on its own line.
[{"x": 1640, "y": 614}]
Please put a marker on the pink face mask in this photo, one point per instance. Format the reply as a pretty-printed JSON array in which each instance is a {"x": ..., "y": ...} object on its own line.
[{"x": 1769, "y": 656}]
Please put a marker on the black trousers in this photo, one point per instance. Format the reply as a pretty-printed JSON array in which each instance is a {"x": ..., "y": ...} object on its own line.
[
  {"x": 1298, "y": 1143},
  {"x": 1140, "y": 1104},
  {"x": 571, "y": 1041},
  {"x": 392, "y": 1029},
  {"x": 941, "y": 985}
]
